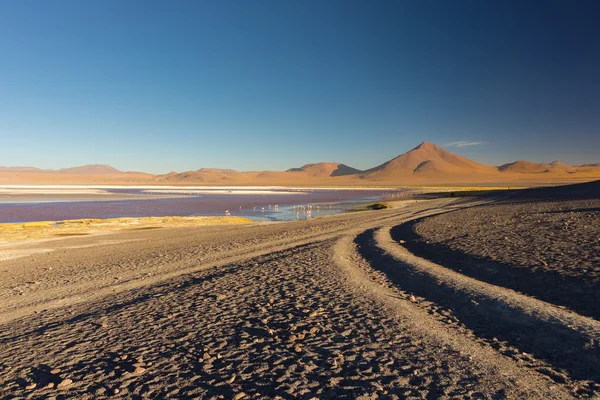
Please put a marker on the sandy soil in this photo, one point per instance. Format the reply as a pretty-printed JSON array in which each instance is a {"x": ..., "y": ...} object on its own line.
[
  {"x": 310, "y": 309},
  {"x": 82, "y": 227},
  {"x": 21, "y": 239}
]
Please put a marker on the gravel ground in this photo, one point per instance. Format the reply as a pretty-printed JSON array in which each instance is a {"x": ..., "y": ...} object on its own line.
[
  {"x": 218, "y": 334},
  {"x": 287, "y": 310},
  {"x": 544, "y": 246}
]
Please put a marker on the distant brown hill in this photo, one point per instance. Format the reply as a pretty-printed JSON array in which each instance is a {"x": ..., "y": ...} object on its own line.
[
  {"x": 427, "y": 159},
  {"x": 96, "y": 169},
  {"x": 523, "y": 166},
  {"x": 526, "y": 167},
  {"x": 326, "y": 169},
  {"x": 559, "y": 164},
  {"x": 596, "y": 165},
  {"x": 217, "y": 170},
  {"x": 20, "y": 169},
  {"x": 203, "y": 175},
  {"x": 426, "y": 164},
  {"x": 82, "y": 170}
]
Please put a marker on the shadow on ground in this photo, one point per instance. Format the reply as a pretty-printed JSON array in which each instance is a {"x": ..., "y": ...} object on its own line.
[
  {"x": 549, "y": 286},
  {"x": 492, "y": 320}
]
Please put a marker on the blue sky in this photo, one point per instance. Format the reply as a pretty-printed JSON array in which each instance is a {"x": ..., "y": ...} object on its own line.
[{"x": 179, "y": 85}]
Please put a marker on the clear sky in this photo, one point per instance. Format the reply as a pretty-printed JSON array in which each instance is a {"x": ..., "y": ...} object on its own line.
[{"x": 179, "y": 85}]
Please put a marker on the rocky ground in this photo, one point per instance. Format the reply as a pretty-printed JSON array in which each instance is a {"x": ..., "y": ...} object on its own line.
[
  {"x": 548, "y": 248},
  {"x": 327, "y": 308}
]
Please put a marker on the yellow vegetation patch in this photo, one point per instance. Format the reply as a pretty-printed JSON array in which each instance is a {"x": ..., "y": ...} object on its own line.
[{"x": 77, "y": 227}]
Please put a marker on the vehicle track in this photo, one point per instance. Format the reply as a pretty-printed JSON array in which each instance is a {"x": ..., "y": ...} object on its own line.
[
  {"x": 283, "y": 324},
  {"x": 517, "y": 325},
  {"x": 311, "y": 315},
  {"x": 521, "y": 380},
  {"x": 161, "y": 258}
]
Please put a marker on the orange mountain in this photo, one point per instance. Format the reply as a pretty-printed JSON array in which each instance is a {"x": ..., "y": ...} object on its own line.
[
  {"x": 524, "y": 167},
  {"x": 426, "y": 164},
  {"x": 95, "y": 169},
  {"x": 326, "y": 169},
  {"x": 427, "y": 159}
]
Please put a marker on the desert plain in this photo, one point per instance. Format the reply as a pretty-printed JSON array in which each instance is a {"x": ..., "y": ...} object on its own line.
[
  {"x": 431, "y": 298},
  {"x": 440, "y": 293}
]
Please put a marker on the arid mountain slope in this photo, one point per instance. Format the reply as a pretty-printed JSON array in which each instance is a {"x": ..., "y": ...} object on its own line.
[
  {"x": 559, "y": 164},
  {"x": 428, "y": 159},
  {"x": 426, "y": 164},
  {"x": 524, "y": 167},
  {"x": 96, "y": 169},
  {"x": 20, "y": 169},
  {"x": 326, "y": 169}
]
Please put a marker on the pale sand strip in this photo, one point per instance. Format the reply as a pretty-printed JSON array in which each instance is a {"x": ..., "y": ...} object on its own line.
[{"x": 19, "y": 240}]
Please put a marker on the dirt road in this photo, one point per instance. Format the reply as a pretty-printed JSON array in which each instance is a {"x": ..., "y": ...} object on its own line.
[{"x": 327, "y": 308}]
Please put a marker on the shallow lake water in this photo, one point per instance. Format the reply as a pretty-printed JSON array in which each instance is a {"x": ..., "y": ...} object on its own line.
[{"x": 256, "y": 204}]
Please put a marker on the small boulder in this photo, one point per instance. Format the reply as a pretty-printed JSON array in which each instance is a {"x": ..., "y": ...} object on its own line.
[{"x": 64, "y": 383}]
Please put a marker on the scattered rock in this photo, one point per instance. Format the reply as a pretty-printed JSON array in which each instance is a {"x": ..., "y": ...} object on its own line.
[
  {"x": 412, "y": 298},
  {"x": 239, "y": 396},
  {"x": 31, "y": 386},
  {"x": 139, "y": 370},
  {"x": 230, "y": 380},
  {"x": 298, "y": 348},
  {"x": 55, "y": 371},
  {"x": 64, "y": 383}
]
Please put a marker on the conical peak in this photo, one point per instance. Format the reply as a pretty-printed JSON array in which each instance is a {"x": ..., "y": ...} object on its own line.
[{"x": 426, "y": 146}]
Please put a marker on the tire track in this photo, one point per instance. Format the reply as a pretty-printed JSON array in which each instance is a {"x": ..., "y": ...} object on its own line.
[
  {"x": 286, "y": 324},
  {"x": 504, "y": 374},
  {"x": 93, "y": 291},
  {"x": 515, "y": 324},
  {"x": 300, "y": 317},
  {"x": 164, "y": 268}
]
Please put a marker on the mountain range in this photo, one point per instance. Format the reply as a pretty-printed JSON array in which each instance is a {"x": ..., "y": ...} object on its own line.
[
  {"x": 83, "y": 170},
  {"x": 425, "y": 164}
]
